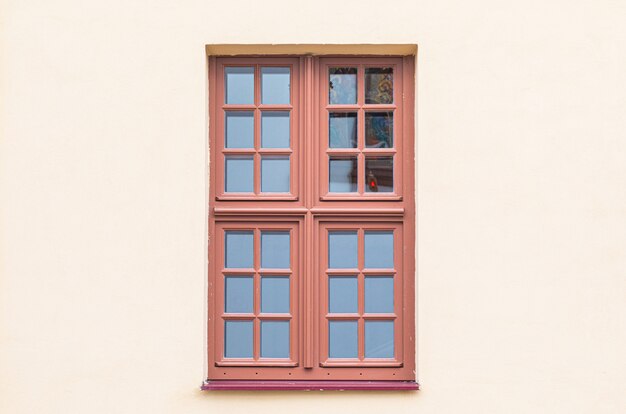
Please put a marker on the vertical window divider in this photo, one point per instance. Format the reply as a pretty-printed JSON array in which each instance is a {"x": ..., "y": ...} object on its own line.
[
  {"x": 256, "y": 298},
  {"x": 361, "y": 293},
  {"x": 309, "y": 298}
]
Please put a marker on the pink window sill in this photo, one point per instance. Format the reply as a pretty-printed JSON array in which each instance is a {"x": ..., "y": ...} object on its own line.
[{"x": 234, "y": 385}]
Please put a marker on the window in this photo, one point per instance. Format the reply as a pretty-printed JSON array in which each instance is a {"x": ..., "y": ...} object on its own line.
[{"x": 311, "y": 223}]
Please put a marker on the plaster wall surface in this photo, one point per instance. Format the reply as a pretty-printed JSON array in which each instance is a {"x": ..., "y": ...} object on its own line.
[{"x": 521, "y": 192}]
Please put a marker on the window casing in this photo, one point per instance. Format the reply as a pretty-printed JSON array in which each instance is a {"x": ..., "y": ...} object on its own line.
[{"x": 348, "y": 264}]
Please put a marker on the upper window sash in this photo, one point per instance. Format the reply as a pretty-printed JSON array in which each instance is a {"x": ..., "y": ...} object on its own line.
[{"x": 257, "y": 134}]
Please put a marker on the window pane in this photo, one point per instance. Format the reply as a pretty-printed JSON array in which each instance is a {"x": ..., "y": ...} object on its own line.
[
  {"x": 379, "y": 85},
  {"x": 342, "y": 250},
  {"x": 342, "y": 86},
  {"x": 379, "y": 129},
  {"x": 275, "y": 339},
  {"x": 379, "y": 249},
  {"x": 342, "y": 130},
  {"x": 275, "y": 129},
  {"x": 275, "y": 250},
  {"x": 239, "y": 85},
  {"x": 238, "y": 339},
  {"x": 342, "y": 294},
  {"x": 239, "y": 175},
  {"x": 274, "y": 294},
  {"x": 379, "y": 294},
  {"x": 378, "y": 339},
  {"x": 342, "y": 339},
  {"x": 239, "y": 249},
  {"x": 379, "y": 174},
  {"x": 275, "y": 85},
  {"x": 342, "y": 175},
  {"x": 239, "y": 294},
  {"x": 239, "y": 129},
  {"x": 275, "y": 174}
]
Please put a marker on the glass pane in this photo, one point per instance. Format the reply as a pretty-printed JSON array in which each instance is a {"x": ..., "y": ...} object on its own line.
[
  {"x": 379, "y": 174},
  {"x": 239, "y": 175},
  {"x": 342, "y": 175},
  {"x": 379, "y": 249},
  {"x": 239, "y": 249},
  {"x": 238, "y": 339},
  {"x": 238, "y": 294},
  {"x": 275, "y": 129},
  {"x": 275, "y": 85},
  {"x": 342, "y": 130},
  {"x": 239, "y": 129},
  {"x": 275, "y": 174},
  {"x": 379, "y": 85},
  {"x": 342, "y": 339},
  {"x": 275, "y": 249},
  {"x": 239, "y": 85},
  {"x": 379, "y": 129},
  {"x": 274, "y": 294},
  {"x": 342, "y": 86},
  {"x": 342, "y": 250},
  {"x": 379, "y": 294},
  {"x": 342, "y": 294},
  {"x": 275, "y": 339},
  {"x": 378, "y": 339}
]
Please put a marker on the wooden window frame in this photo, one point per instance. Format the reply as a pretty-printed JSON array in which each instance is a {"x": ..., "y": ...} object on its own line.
[
  {"x": 361, "y": 108},
  {"x": 257, "y": 107},
  {"x": 308, "y": 212}
]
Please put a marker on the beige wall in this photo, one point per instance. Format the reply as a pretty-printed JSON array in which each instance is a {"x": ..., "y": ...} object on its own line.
[{"x": 521, "y": 202}]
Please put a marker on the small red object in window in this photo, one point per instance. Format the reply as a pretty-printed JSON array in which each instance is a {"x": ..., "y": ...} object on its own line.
[{"x": 372, "y": 182}]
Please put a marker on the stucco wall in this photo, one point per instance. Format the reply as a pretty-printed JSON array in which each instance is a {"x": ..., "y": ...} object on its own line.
[{"x": 521, "y": 164}]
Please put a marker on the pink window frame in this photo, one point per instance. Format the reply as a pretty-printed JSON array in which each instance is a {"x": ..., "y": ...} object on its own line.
[
  {"x": 361, "y": 108},
  {"x": 257, "y": 108},
  {"x": 361, "y": 316},
  {"x": 257, "y": 272},
  {"x": 309, "y": 211}
]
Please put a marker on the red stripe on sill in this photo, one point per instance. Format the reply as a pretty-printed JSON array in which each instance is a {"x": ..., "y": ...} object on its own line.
[{"x": 226, "y": 385}]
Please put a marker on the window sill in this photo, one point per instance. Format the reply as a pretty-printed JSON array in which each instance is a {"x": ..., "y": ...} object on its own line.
[{"x": 240, "y": 385}]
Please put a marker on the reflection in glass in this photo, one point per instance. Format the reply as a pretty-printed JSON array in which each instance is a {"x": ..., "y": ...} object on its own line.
[
  {"x": 379, "y": 249},
  {"x": 239, "y": 129},
  {"x": 275, "y": 294},
  {"x": 239, "y": 249},
  {"x": 342, "y": 294},
  {"x": 238, "y": 339},
  {"x": 379, "y": 129},
  {"x": 342, "y": 175},
  {"x": 275, "y": 85},
  {"x": 342, "y": 339},
  {"x": 342, "y": 130},
  {"x": 275, "y": 129},
  {"x": 342, "y": 249},
  {"x": 274, "y": 339},
  {"x": 275, "y": 250},
  {"x": 379, "y": 174},
  {"x": 379, "y": 339},
  {"x": 379, "y": 294},
  {"x": 238, "y": 298},
  {"x": 239, "y": 175},
  {"x": 275, "y": 174},
  {"x": 342, "y": 86},
  {"x": 379, "y": 85},
  {"x": 239, "y": 85}
]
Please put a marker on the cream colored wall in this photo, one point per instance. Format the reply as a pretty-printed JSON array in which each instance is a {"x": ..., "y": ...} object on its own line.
[{"x": 521, "y": 192}]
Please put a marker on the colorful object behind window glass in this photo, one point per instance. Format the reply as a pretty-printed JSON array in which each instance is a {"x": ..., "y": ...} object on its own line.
[
  {"x": 379, "y": 129},
  {"x": 379, "y": 85},
  {"x": 342, "y": 86}
]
